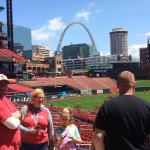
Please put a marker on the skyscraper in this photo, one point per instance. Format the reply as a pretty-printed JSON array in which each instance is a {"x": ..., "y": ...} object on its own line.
[
  {"x": 22, "y": 35},
  {"x": 119, "y": 41}
]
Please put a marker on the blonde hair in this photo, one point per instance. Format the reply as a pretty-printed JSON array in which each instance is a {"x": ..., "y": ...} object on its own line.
[
  {"x": 36, "y": 92},
  {"x": 68, "y": 111}
]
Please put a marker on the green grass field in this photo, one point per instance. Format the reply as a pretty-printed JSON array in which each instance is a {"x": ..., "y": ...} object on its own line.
[
  {"x": 142, "y": 83},
  {"x": 93, "y": 101}
]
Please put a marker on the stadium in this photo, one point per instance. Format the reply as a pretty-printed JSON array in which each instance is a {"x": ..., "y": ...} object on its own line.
[
  {"x": 84, "y": 94},
  {"x": 82, "y": 83}
]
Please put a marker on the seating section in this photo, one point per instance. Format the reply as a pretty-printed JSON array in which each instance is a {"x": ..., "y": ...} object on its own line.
[
  {"x": 107, "y": 82},
  {"x": 10, "y": 54},
  {"x": 18, "y": 88},
  {"x": 78, "y": 82},
  {"x": 88, "y": 82}
]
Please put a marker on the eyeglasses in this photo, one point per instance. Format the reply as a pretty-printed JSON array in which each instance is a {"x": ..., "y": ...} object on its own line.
[{"x": 39, "y": 97}]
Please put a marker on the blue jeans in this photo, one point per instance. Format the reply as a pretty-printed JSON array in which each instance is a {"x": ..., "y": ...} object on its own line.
[{"x": 28, "y": 146}]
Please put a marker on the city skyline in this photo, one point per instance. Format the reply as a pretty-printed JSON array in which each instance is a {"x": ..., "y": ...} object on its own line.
[{"x": 47, "y": 20}]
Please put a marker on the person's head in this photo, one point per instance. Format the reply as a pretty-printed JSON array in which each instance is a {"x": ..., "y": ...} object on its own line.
[
  {"x": 67, "y": 116},
  {"x": 3, "y": 85},
  {"x": 126, "y": 82},
  {"x": 37, "y": 97}
]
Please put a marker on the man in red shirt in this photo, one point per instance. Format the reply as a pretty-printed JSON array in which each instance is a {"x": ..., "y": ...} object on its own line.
[{"x": 9, "y": 119}]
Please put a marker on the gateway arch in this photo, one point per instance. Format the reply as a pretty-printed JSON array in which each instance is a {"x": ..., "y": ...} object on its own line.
[{"x": 71, "y": 24}]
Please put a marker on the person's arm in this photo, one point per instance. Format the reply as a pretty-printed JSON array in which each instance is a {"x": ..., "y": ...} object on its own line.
[
  {"x": 98, "y": 139},
  {"x": 76, "y": 138},
  {"x": 50, "y": 130},
  {"x": 23, "y": 128},
  {"x": 26, "y": 130},
  {"x": 100, "y": 127},
  {"x": 11, "y": 122},
  {"x": 57, "y": 141},
  {"x": 16, "y": 114},
  {"x": 7, "y": 118},
  {"x": 92, "y": 146}
]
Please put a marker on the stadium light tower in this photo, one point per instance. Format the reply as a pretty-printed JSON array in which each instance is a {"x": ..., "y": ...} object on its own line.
[{"x": 10, "y": 25}]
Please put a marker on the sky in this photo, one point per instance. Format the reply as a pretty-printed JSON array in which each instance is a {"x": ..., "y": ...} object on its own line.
[{"x": 48, "y": 18}]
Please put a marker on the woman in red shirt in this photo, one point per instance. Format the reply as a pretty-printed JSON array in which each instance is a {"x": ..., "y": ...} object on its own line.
[{"x": 37, "y": 126}]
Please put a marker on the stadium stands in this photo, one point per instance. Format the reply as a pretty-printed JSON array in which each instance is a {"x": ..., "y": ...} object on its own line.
[
  {"x": 106, "y": 83},
  {"x": 88, "y": 82},
  {"x": 81, "y": 83},
  {"x": 19, "y": 88}
]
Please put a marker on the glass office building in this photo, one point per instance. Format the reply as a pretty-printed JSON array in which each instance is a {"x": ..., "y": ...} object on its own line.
[
  {"x": 78, "y": 51},
  {"x": 22, "y": 35}
]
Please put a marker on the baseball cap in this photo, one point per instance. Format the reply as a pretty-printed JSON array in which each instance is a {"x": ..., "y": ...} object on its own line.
[
  {"x": 126, "y": 77},
  {"x": 3, "y": 77}
]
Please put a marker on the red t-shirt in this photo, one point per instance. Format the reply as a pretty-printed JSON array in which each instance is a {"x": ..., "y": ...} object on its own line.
[
  {"x": 31, "y": 119},
  {"x": 9, "y": 138}
]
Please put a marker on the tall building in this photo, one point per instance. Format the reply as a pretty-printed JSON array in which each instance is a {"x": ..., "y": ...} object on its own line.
[
  {"x": 78, "y": 51},
  {"x": 145, "y": 54},
  {"x": 41, "y": 49},
  {"x": 119, "y": 41},
  {"x": 22, "y": 35}
]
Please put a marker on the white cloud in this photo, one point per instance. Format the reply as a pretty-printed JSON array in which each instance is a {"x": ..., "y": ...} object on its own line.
[
  {"x": 134, "y": 50},
  {"x": 86, "y": 13},
  {"x": 105, "y": 53},
  {"x": 55, "y": 24},
  {"x": 48, "y": 30},
  {"x": 41, "y": 34},
  {"x": 83, "y": 14},
  {"x": 145, "y": 34}
]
